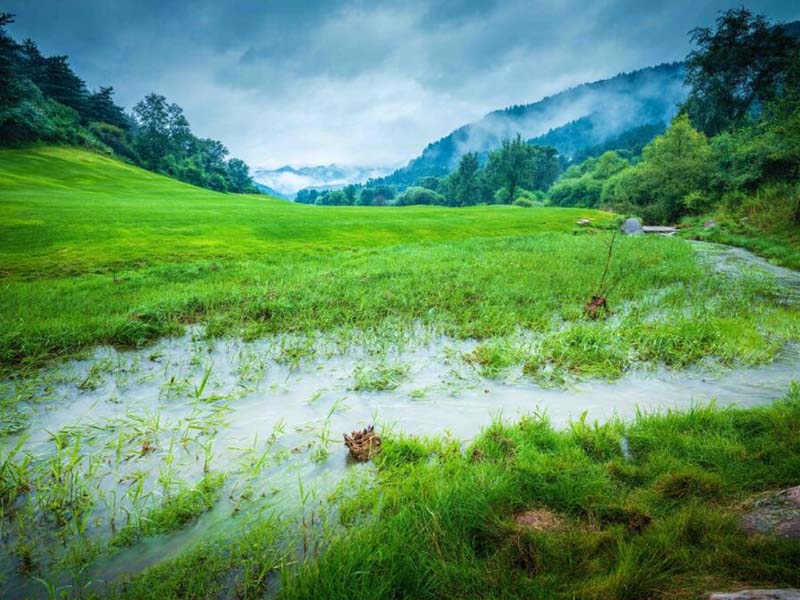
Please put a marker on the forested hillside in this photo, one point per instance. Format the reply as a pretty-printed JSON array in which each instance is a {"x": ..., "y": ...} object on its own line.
[
  {"x": 603, "y": 109},
  {"x": 43, "y": 100}
]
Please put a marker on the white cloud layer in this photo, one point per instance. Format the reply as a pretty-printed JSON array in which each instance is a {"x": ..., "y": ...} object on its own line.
[{"x": 357, "y": 82}]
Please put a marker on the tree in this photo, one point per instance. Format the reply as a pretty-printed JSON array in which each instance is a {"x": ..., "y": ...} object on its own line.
[
  {"x": 734, "y": 70},
  {"x": 239, "y": 176},
  {"x": 507, "y": 167},
  {"x": 163, "y": 133},
  {"x": 465, "y": 188},
  {"x": 59, "y": 82},
  {"x": 518, "y": 164},
  {"x": 673, "y": 166},
  {"x": 100, "y": 106},
  {"x": 10, "y": 89}
]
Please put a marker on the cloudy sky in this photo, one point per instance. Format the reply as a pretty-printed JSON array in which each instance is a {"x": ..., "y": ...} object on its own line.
[{"x": 356, "y": 82}]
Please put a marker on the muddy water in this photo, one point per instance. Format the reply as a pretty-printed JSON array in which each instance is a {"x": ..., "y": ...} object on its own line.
[{"x": 137, "y": 426}]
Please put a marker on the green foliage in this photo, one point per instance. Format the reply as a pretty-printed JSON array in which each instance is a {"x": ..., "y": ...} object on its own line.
[
  {"x": 529, "y": 199},
  {"x": 466, "y": 182},
  {"x": 628, "y": 144},
  {"x": 736, "y": 69},
  {"x": 420, "y": 195},
  {"x": 582, "y": 185},
  {"x": 519, "y": 165},
  {"x": 673, "y": 166}
]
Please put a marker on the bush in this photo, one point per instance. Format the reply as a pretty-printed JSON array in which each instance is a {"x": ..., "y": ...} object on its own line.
[
  {"x": 529, "y": 199},
  {"x": 502, "y": 196},
  {"x": 420, "y": 195}
]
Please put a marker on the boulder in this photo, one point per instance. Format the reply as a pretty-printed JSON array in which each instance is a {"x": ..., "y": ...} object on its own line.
[
  {"x": 775, "y": 514},
  {"x": 784, "y": 594},
  {"x": 632, "y": 226}
]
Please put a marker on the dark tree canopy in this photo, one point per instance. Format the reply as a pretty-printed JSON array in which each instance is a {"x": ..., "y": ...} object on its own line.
[{"x": 735, "y": 69}]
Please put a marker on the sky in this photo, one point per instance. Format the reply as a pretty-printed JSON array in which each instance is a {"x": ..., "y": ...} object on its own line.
[{"x": 356, "y": 82}]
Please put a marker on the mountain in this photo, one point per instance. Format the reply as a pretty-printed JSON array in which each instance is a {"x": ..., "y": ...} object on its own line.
[
  {"x": 578, "y": 118},
  {"x": 288, "y": 180}
]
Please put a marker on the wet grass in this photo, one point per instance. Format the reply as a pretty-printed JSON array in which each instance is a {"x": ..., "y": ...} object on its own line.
[
  {"x": 439, "y": 523},
  {"x": 648, "y": 509},
  {"x": 175, "y": 511},
  {"x": 95, "y": 251}
]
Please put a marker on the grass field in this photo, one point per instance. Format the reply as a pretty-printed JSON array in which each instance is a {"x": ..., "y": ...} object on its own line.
[
  {"x": 95, "y": 251},
  {"x": 439, "y": 522}
]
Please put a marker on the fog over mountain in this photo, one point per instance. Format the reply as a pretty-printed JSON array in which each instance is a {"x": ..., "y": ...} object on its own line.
[
  {"x": 288, "y": 180},
  {"x": 571, "y": 121}
]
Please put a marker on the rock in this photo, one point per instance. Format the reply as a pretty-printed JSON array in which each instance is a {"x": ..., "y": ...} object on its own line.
[
  {"x": 659, "y": 229},
  {"x": 775, "y": 514},
  {"x": 539, "y": 520},
  {"x": 709, "y": 224},
  {"x": 584, "y": 222},
  {"x": 784, "y": 594},
  {"x": 632, "y": 226}
]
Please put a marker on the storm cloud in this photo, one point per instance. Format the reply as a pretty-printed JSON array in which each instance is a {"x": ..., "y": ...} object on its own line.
[{"x": 356, "y": 82}]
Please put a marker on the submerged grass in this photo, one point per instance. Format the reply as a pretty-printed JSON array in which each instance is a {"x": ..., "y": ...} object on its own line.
[
  {"x": 642, "y": 510},
  {"x": 174, "y": 512},
  {"x": 439, "y": 523}
]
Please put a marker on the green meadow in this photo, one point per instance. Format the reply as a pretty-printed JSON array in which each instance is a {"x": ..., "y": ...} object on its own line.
[{"x": 96, "y": 252}]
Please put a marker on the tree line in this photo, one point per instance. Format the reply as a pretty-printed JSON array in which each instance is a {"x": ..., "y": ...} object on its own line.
[
  {"x": 736, "y": 138},
  {"x": 517, "y": 172},
  {"x": 43, "y": 99}
]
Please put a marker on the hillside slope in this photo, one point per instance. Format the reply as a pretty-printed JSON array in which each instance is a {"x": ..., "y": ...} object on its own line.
[
  {"x": 602, "y": 109},
  {"x": 64, "y": 210},
  {"x": 96, "y": 251}
]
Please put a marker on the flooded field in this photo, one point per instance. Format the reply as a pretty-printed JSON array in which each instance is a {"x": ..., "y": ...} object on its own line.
[{"x": 125, "y": 457}]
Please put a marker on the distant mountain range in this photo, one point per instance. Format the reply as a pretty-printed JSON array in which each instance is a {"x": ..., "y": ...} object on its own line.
[
  {"x": 286, "y": 181},
  {"x": 581, "y": 117},
  {"x": 625, "y": 111}
]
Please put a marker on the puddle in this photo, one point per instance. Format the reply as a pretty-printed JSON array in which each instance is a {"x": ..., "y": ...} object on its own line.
[{"x": 135, "y": 426}]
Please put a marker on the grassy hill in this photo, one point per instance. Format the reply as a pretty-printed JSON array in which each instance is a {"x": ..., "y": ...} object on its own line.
[
  {"x": 81, "y": 231},
  {"x": 68, "y": 211},
  {"x": 96, "y": 251}
]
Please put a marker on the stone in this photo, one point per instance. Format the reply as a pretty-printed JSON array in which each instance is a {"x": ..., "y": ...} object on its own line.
[
  {"x": 584, "y": 222},
  {"x": 710, "y": 223},
  {"x": 776, "y": 514},
  {"x": 776, "y": 594},
  {"x": 632, "y": 226},
  {"x": 660, "y": 229}
]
